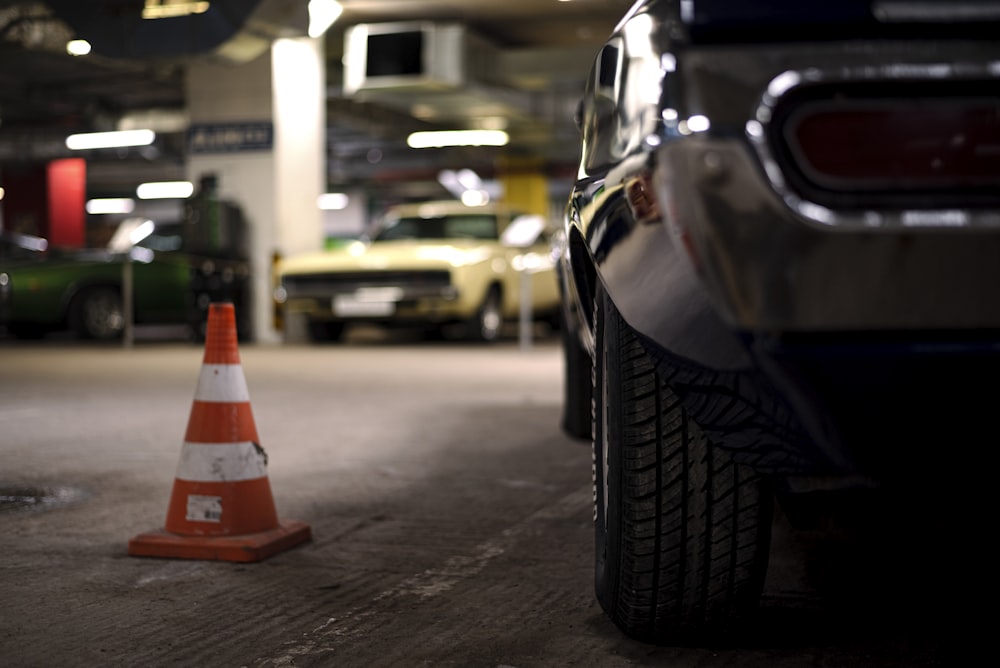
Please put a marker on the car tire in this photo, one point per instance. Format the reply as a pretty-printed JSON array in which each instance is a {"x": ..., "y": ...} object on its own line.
[
  {"x": 577, "y": 419},
  {"x": 487, "y": 326},
  {"x": 98, "y": 313},
  {"x": 682, "y": 532}
]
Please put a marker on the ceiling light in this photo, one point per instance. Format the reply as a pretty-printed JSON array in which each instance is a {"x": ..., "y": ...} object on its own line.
[
  {"x": 475, "y": 198},
  {"x": 164, "y": 9},
  {"x": 78, "y": 47},
  {"x": 111, "y": 205},
  {"x": 332, "y": 201},
  {"x": 165, "y": 190},
  {"x": 155, "y": 119},
  {"x": 457, "y": 138},
  {"x": 322, "y": 14},
  {"x": 469, "y": 179},
  {"x": 119, "y": 139}
]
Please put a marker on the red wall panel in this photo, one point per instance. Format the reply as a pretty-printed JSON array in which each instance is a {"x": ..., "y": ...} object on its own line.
[{"x": 67, "y": 193}]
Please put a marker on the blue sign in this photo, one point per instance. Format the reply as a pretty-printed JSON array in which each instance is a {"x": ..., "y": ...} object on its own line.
[{"x": 230, "y": 137}]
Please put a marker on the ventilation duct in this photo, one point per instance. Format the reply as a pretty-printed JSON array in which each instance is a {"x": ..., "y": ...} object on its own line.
[{"x": 433, "y": 72}]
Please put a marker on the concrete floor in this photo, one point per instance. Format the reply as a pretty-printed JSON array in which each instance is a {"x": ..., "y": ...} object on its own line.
[{"x": 450, "y": 520}]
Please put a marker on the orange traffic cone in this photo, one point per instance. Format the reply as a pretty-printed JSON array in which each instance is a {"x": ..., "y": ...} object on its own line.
[{"x": 221, "y": 506}]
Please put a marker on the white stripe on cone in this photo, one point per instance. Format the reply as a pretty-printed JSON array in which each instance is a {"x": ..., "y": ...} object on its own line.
[
  {"x": 223, "y": 383},
  {"x": 221, "y": 462}
]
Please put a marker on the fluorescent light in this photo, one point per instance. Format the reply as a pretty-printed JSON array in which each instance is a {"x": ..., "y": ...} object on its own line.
[
  {"x": 475, "y": 198},
  {"x": 118, "y": 139},
  {"x": 322, "y": 14},
  {"x": 111, "y": 205},
  {"x": 457, "y": 138},
  {"x": 165, "y": 190},
  {"x": 142, "y": 231},
  {"x": 469, "y": 179},
  {"x": 157, "y": 120},
  {"x": 163, "y": 9},
  {"x": 332, "y": 201},
  {"x": 78, "y": 47}
]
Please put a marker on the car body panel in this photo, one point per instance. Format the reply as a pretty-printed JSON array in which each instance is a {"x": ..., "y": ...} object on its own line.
[
  {"x": 43, "y": 290},
  {"x": 693, "y": 213},
  {"x": 38, "y": 291}
]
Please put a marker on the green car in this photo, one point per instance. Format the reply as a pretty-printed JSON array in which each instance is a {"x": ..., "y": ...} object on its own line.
[{"x": 45, "y": 290}]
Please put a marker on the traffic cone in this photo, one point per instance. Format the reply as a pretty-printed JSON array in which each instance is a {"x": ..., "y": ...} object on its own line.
[{"x": 221, "y": 506}]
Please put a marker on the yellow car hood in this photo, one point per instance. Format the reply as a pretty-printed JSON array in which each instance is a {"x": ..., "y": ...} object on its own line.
[{"x": 401, "y": 254}]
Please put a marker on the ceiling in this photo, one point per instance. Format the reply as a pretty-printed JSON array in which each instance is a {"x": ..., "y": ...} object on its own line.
[{"x": 542, "y": 50}]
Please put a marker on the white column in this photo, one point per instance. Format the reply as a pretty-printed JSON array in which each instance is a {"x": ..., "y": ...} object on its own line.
[
  {"x": 276, "y": 187},
  {"x": 299, "y": 78}
]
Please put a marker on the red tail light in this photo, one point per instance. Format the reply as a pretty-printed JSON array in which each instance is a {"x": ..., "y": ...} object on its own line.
[
  {"x": 898, "y": 144},
  {"x": 855, "y": 145}
]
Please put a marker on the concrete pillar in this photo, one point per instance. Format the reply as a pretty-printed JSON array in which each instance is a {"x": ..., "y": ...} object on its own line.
[{"x": 260, "y": 127}]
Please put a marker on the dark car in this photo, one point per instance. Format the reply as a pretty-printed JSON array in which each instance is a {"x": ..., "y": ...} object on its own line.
[{"x": 779, "y": 267}]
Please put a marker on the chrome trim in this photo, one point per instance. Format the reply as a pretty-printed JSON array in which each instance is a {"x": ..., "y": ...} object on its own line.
[
  {"x": 896, "y": 11},
  {"x": 756, "y": 132}
]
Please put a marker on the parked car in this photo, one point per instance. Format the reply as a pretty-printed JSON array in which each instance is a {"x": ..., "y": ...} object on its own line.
[
  {"x": 45, "y": 289},
  {"x": 431, "y": 265},
  {"x": 780, "y": 262}
]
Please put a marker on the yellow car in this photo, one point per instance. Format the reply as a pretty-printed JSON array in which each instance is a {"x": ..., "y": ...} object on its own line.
[{"x": 430, "y": 265}]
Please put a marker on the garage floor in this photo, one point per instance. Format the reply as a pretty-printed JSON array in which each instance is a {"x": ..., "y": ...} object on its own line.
[{"x": 450, "y": 521}]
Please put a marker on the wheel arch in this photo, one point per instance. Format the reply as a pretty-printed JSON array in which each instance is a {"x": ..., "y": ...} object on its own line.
[
  {"x": 78, "y": 288},
  {"x": 583, "y": 283}
]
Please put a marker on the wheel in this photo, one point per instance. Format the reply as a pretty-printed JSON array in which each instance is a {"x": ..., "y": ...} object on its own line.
[
  {"x": 325, "y": 331},
  {"x": 97, "y": 313},
  {"x": 682, "y": 532},
  {"x": 577, "y": 419},
  {"x": 488, "y": 323}
]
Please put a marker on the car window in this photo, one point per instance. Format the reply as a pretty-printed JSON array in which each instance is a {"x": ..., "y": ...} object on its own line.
[
  {"x": 462, "y": 226},
  {"x": 164, "y": 239}
]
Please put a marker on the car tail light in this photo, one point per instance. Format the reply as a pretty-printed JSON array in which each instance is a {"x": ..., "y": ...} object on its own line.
[
  {"x": 855, "y": 142},
  {"x": 894, "y": 146}
]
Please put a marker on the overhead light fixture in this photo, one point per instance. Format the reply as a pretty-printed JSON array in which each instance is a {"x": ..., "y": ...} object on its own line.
[
  {"x": 128, "y": 233},
  {"x": 111, "y": 205},
  {"x": 165, "y": 190},
  {"x": 165, "y": 9},
  {"x": 332, "y": 201},
  {"x": 322, "y": 14},
  {"x": 78, "y": 47},
  {"x": 475, "y": 198},
  {"x": 119, "y": 139},
  {"x": 440, "y": 139},
  {"x": 157, "y": 120}
]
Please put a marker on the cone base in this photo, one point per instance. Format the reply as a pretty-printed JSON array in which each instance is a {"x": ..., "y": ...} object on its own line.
[{"x": 245, "y": 548}]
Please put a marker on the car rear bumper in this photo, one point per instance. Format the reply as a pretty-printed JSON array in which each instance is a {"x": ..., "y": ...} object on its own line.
[{"x": 833, "y": 314}]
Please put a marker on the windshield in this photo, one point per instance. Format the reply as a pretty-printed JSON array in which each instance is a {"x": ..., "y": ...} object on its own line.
[
  {"x": 471, "y": 226},
  {"x": 164, "y": 238}
]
